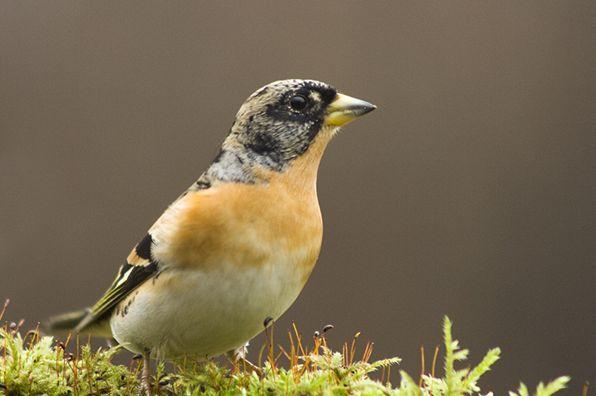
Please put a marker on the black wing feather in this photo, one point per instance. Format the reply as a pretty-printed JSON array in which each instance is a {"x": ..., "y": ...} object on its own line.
[{"x": 129, "y": 278}]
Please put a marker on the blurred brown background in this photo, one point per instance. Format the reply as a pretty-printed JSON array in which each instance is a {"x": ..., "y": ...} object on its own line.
[{"x": 470, "y": 192}]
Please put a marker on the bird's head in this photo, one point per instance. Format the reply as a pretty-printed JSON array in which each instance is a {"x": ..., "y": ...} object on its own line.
[{"x": 281, "y": 121}]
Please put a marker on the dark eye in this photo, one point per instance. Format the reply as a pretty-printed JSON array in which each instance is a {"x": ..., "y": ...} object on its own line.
[{"x": 298, "y": 102}]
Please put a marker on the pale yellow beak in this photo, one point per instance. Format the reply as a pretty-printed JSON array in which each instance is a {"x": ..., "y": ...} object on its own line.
[{"x": 345, "y": 108}]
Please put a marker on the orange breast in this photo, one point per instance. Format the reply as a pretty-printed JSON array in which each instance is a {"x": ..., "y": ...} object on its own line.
[{"x": 248, "y": 225}]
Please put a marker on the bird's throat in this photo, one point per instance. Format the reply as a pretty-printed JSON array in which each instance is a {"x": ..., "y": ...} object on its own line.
[{"x": 234, "y": 164}]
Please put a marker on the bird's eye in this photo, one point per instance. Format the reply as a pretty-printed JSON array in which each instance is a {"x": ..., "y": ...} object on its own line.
[{"x": 298, "y": 102}]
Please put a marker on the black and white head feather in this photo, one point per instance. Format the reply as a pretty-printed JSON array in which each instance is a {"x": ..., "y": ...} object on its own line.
[{"x": 274, "y": 126}]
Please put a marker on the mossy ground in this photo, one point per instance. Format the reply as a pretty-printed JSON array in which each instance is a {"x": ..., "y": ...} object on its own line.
[{"x": 31, "y": 364}]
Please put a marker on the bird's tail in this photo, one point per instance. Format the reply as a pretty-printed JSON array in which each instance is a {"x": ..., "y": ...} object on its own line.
[
  {"x": 64, "y": 323},
  {"x": 69, "y": 322}
]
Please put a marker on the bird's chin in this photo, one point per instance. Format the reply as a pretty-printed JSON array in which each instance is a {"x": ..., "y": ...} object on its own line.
[
  {"x": 335, "y": 131},
  {"x": 330, "y": 130}
]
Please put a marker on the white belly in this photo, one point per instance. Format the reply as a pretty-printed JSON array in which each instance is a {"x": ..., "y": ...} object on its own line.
[{"x": 205, "y": 312}]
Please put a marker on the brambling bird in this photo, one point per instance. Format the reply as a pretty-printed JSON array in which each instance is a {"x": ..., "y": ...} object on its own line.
[{"x": 237, "y": 247}]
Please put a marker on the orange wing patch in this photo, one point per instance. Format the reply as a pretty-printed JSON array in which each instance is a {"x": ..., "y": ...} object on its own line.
[
  {"x": 134, "y": 259},
  {"x": 141, "y": 254}
]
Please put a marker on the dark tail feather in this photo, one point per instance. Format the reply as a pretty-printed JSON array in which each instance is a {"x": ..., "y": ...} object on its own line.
[
  {"x": 64, "y": 323},
  {"x": 71, "y": 323}
]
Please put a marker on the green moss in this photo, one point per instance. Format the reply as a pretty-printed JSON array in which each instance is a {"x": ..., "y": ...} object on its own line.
[{"x": 33, "y": 365}]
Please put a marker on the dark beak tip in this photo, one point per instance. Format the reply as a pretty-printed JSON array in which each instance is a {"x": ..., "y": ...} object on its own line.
[{"x": 368, "y": 108}]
